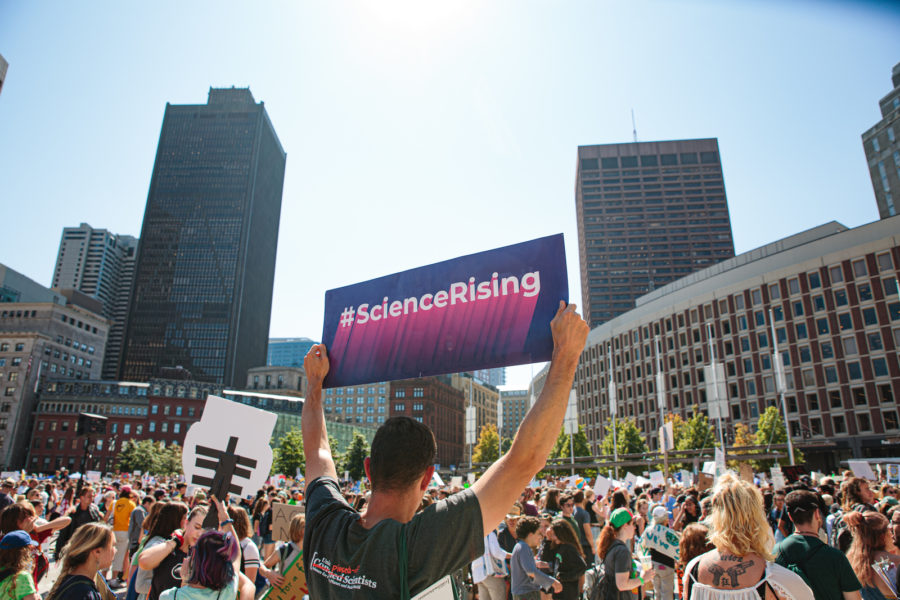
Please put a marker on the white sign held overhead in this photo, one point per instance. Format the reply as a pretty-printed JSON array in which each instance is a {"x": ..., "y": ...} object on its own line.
[
  {"x": 601, "y": 486},
  {"x": 630, "y": 482},
  {"x": 657, "y": 478},
  {"x": 228, "y": 450},
  {"x": 862, "y": 469},
  {"x": 456, "y": 481},
  {"x": 93, "y": 476},
  {"x": 571, "y": 421}
]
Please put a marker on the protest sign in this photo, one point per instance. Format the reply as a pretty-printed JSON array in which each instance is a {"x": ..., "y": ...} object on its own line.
[
  {"x": 630, "y": 482},
  {"x": 794, "y": 472},
  {"x": 601, "y": 486},
  {"x": 720, "y": 462},
  {"x": 893, "y": 474},
  {"x": 485, "y": 310},
  {"x": 862, "y": 469},
  {"x": 687, "y": 478},
  {"x": 657, "y": 478},
  {"x": 281, "y": 520},
  {"x": 294, "y": 586},
  {"x": 456, "y": 482},
  {"x": 93, "y": 476},
  {"x": 746, "y": 472},
  {"x": 709, "y": 467},
  {"x": 704, "y": 481},
  {"x": 778, "y": 481},
  {"x": 436, "y": 480},
  {"x": 228, "y": 450},
  {"x": 662, "y": 539},
  {"x": 470, "y": 478}
]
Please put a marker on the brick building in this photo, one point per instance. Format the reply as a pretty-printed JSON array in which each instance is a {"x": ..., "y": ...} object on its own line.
[{"x": 436, "y": 403}]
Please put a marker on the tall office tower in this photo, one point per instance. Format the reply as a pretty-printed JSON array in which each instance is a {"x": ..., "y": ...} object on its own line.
[
  {"x": 648, "y": 213},
  {"x": 883, "y": 150},
  {"x": 206, "y": 262},
  {"x": 4, "y": 66},
  {"x": 288, "y": 352},
  {"x": 100, "y": 264}
]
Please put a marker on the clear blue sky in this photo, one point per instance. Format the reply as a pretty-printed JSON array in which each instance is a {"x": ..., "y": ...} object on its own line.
[{"x": 417, "y": 131}]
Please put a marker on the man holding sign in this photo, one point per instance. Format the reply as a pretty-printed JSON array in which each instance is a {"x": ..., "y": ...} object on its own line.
[{"x": 390, "y": 550}]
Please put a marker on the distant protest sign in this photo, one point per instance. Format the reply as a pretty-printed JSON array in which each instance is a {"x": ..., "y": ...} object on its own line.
[
  {"x": 662, "y": 539},
  {"x": 281, "y": 520},
  {"x": 485, "y": 310}
]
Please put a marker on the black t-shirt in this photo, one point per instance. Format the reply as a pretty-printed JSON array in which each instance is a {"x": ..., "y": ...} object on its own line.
[
  {"x": 167, "y": 574},
  {"x": 342, "y": 559},
  {"x": 77, "y": 587},
  {"x": 827, "y": 570}
]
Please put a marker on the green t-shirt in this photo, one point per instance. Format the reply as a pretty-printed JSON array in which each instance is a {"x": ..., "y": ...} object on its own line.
[
  {"x": 828, "y": 572},
  {"x": 24, "y": 585}
]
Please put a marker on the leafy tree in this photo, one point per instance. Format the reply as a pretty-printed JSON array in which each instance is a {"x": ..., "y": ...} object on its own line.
[
  {"x": 770, "y": 431},
  {"x": 696, "y": 434},
  {"x": 579, "y": 446},
  {"x": 289, "y": 454},
  {"x": 137, "y": 456},
  {"x": 354, "y": 459},
  {"x": 506, "y": 444},
  {"x": 742, "y": 438},
  {"x": 488, "y": 447},
  {"x": 629, "y": 440},
  {"x": 169, "y": 460}
]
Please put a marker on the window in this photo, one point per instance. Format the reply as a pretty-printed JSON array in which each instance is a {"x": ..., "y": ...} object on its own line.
[
  {"x": 154, "y": 408},
  {"x": 865, "y": 291},
  {"x": 831, "y": 375},
  {"x": 126, "y": 428},
  {"x": 151, "y": 427},
  {"x": 885, "y": 393},
  {"x": 762, "y": 339},
  {"x": 845, "y": 322},
  {"x": 865, "y": 423},
  {"x": 890, "y": 419},
  {"x": 854, "y": 371},
  {"x": 840, "y": 297},
  {"x": 177, "y": 411},
  {"x": 836, "y": 274},
  {"x": 165, "y": 427},
  {"x": 399, "y": 393},
  {"x": 176, "y": 428},
  {"x": 778, "y": 312},
  {"x": 399, "y": 406},
  {"x": 418, "y": 392},
  {"x": 884, "y": 262},
  {"x": 798, "y": 308},
  {"x": 879, "y": 367},
  {"x": 818, "y": 303},
  {"x": 813, "y": 401},
  {"x": 814, "y": 280},
  {"x": 859, "y": 268},
  {"x": 809, "y": 378},
  {"x": 869, "y": 316},
  {"x": 794, "y": 285},
  {"x": 822, "y": 325},
  {"x": 839, "y": 425},
  {"x": 834, "y": 399},
  {"x": 801, "y": 331},
  {"x": 805, "y": 354},
  {"x": 826, "y": 349}
]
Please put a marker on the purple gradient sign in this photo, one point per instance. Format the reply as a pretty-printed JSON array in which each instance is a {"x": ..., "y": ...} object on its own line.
[{"x": 481, "y": 311}]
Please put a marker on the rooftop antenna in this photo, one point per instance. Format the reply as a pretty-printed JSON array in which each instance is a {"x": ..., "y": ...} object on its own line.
[{"x": 633, "y": 126}]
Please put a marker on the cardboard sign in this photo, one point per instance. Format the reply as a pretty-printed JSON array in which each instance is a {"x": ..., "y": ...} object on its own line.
[
  {"x": 442, "y": 590},
  {"x": 862, "y": 469},
  {"x": 893, "y": 474},
  {"x": 93, "y": 476},
  {"x": 778, "y": 481},
  {"x": 657, "y": 479},
  {"x": 746, "y": 472},
  {"x": 294, "y": 586},
  {"x": 704, "y": 481},
  {"x": 281, "y": 520},
  {"x": 630, "y": 482},
  {"x": 709, "y": 467},
  {"x": 456, "y": 481},
  {"x": 481, "y": 311},
  {"x": 661, "y": 538},
  {"x": 228, "y": 450}
]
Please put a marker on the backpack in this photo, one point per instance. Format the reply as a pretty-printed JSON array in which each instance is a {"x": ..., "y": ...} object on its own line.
[{"x": 595, "y": 583}]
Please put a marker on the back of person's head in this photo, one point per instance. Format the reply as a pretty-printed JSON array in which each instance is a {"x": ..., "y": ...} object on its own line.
[
  {"x": 241, "y": 521},
  {"x": 552, "y": 503},
  {"x": 526, "y": 526},
  {"x": 297, "y": 528},
  {"x": 565, "y": 533},
  {"x": 14, "y": 514},
  {"x": 801, "y": 506},
  {"x": 870, "y": 533},
  {"x": 86, "y": 539},
  {"x": 694, "y": 542},
  {"x": 737, "y": 521},
  {"x": 169, "y": 518},
  {"x": 619, "y": 499},
  {"x": 212, "y": 560},
  {"x": 402, "y": 451},
  {"x": 578, "y": 497},
  {"x": 851, "y": 492}
]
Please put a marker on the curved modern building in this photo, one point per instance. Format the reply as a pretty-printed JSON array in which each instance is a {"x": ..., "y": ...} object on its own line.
[{"x": 830, "y": 296}]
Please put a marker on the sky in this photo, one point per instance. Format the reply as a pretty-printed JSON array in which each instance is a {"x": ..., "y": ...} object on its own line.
[{"x": 418, "y": 131}]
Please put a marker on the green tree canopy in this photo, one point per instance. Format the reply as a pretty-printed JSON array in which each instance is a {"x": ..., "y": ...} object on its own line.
[
  {"x": 149, "y": 457},
  {"x": 770, "y": 431},
  {"x": 488, "y": 447},
  {"x": 355, "y": 457},
  {"x": 629, "y": 439},
  {"x": 696, "y": 433},
  {"x": 288, "y": 454},
  {"x": 579, "y": 446}
]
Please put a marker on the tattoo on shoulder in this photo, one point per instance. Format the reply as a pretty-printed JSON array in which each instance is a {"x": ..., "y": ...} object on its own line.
[{"x": 728, "y": 577}]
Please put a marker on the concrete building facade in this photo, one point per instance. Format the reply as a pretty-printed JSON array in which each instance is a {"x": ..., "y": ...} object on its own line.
[
  {"x": 883, "y": 150},
  {"x": 287, "y": 352},
  {"x": 39, "y": 341},
  {"x": 100, "y": 264},
  {"x": 648, "y": 213},
  {"x": 515, "y": 405},
  {"x": 484, "y": 396},
  {"x": 286, "y": 380},
  {"x": 361, "y": 405},
  {"x": 834, "y": 304},
  {"x": 202, "y": 296}
]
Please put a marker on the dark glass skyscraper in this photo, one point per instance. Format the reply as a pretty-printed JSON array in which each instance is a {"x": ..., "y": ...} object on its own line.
[
  {"x": 206, "y": 262},
  {"x": 648, "y": 213}
]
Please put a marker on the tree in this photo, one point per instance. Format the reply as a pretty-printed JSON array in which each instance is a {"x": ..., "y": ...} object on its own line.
[
  {"x": 169, "y": 460},
  {"x": 629, "y": 439},
  {"x": 742, "y": 438},
  {"x": 354, "y": 459},
  {"x": 579, "y": 446},
  {"x": 696, "y": 434},
  {"x": 137, "y": 456},
  {"x": 506, "y": 444},
  {"x": 488, "y": 447},
  {"x": 289, "y": 454},
  {"x": 770, "y": 431}
]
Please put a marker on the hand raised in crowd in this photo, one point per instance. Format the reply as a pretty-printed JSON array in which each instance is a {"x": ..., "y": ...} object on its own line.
[
  {"x": 221, "y": 509},
  {"x": 316, "y": 364},
  {"x": 569, "y": 331}
]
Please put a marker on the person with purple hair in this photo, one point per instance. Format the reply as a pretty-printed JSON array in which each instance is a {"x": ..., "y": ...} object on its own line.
[{"x": 209, "y": 570}]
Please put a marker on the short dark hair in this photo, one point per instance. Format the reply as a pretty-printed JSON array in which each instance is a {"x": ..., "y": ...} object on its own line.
[
  {"x": 578, "y": 497},
  {"x": 801, "y": 506},
  {"x": 402, "y": 450},
  {"x": 526, "y": 526}
]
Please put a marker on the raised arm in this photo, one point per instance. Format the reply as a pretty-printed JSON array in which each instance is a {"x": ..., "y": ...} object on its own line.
[
  {"x": 501, "y": 485},
  {"x": 316, "y": 449}
]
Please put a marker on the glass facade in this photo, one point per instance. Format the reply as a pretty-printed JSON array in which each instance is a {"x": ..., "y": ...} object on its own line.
[{"x": 206, "y": 263}]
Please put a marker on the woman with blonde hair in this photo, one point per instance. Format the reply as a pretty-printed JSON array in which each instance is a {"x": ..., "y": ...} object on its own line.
[
  {"x": 90, "y": 549},
  {"x": 871, "y": 539},
  {"x": 740, "y": 566}
]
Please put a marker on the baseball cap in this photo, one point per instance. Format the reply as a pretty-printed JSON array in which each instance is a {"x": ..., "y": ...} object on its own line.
[
  {"x": 16, "y": 539},
  {"x": 620, "y": 517},
  {"x": 660, "y": 513},
  {"x": 126, "y": 489}
]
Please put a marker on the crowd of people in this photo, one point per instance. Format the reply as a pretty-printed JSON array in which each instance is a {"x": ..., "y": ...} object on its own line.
[{"x": 147, "y": 540}]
